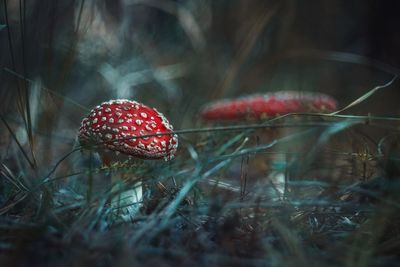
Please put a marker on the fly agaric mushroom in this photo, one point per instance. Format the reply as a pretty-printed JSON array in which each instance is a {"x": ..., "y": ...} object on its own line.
[
  {"x": 117, "y": 125},
  {"x": 262, "y": 106},
  {"x": 259, "y": 106},
  {"x": 114, "y": 129}
]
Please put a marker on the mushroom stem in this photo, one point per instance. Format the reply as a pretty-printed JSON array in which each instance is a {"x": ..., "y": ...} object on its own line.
[
  {"x": 121, "y": 129},
  {"x": 126, "y": 203}
]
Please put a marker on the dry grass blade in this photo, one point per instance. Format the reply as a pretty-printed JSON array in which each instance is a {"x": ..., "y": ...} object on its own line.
[
  {"x": 23, "y": 98},
  {"x": 365, "y": 96},
  {"x": 17, "y": 142},
  {"x": 50, "y": 91},
  {"x": 26, "y": 98},
  {"x": 18, "y": 199},
  {"x": 9, "y": 175}
]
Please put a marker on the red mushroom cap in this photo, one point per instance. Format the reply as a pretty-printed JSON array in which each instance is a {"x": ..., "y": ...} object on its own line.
[
  {"x": 260, "y": 106},
  {"x": 114, "y": 124}
]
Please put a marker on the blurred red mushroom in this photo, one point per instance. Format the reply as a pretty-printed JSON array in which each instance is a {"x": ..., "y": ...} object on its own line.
[
  {"x": 264, "y": 106},
  {"x": 115, "y": 128},
  {"x": 259, "y": 106}
]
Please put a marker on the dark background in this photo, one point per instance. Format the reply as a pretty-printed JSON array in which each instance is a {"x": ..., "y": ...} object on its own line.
[{"x": 75, "y": 54}]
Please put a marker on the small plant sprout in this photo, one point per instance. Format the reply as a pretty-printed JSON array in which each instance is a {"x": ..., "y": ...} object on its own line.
[{"x": 122, "y": 129}]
